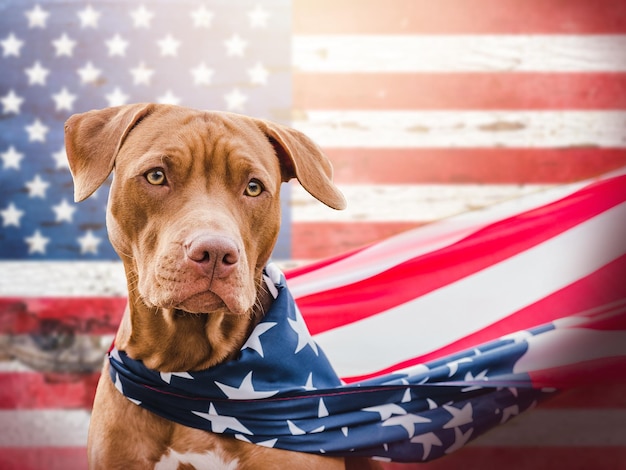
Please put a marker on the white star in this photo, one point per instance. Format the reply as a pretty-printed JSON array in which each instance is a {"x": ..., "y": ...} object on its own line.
[
  {"x": 64, "y": 45},
  {"x": 454, "y": 365},
  {"x": 460, "y": 439},
  {"x": 64, "y": 211},
  {"x": 387, "y": 410},
  {"x": 117, "y": 46},
  {"x": 269, "y": 443},
  {"x": 408, "y": 422},
  {"x": 235, "y": 100},
  {"x": 118, "y": 385},
  {"x": 509, "y": 412},
  {"x": 202, "y": 74},
  {"x": 309, "y": 383},
  {"x": 37, "y": 74},
  {"x": 11, "y": 216},
  {"x": 11, "y": 46},
  {"x": 60, "y": 158},
  {"x": 258, "y": 74},
  {"x": 258, "y": 17},
  {"x": 469, "y": 377},
  {"x": 202, "y": 17},
  {"x": 88, "y": 73},
  {"x": 37, "y": 17},
  {"x": 295, "y": 430},
  {"x": 37, "y": 243},
  {"x": 37, "y": 131},
  {"x": 89, "y": 243},
  {"x": 459, "y": 416},
  {"x": 235, "y": 46},
  {"x": 219, "y": 423},
  {"x": 245, "y": 391},
  {"x": 322, "y": 411},
  {"x": 428, "y": 440},
  {"x": 254, "y": 342},
  {"x": 304, "y": 337},
  {"x": 117, "y": 97},
  {"x": 167, "y": 376},
  {"x": 64, "y": 100},
  {"x": 11, "y": 102},
  {"x": 37, "y": 187},
  {"x": 11, "y": 158},
  {"x": 141, "y": 17},
  {"x": 169, "y": 46},
  {"x": 89, "y": 17},
  {"x": 168, "y": 98},
  {"x": 142, "y": 74}
]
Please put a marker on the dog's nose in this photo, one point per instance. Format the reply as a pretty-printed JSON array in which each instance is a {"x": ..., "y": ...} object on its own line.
[{"x": 216, "y": 255}]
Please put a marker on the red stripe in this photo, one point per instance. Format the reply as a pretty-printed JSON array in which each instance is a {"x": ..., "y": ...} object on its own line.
[
  {"x": 38, "y": 458},
  {"x": 525, "y": 458},
  {"x": 460, "y": 91},
  {"x": 499, "y": 241},
  {"x": 472, "y": 165},
  {"x": 459, "y": 17},
  {"x": 94, "y": 315},
  {"x": 315, "y": 240},
  {"x": 607, "y": 371},
  {"x": 32, "y": 390},
  {"x": 468, "y": 458},
  {"x": 599, "y": 288},
  {"x": 591, "y": 396}
]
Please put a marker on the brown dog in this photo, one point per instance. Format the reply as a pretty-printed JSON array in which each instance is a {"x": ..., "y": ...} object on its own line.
[{"x": 194, "y": 214}]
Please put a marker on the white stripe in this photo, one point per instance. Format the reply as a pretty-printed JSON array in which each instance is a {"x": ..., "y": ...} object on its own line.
[
  {"x": 538, "y": 428},
  {"x": 385, "y": 254},
  {"x": 405, "y": 203},
  {"x": 463, "y": 129},
  {"x": 44, "y": 428},
  {"x": 477, "y": 301},
  {"x": 62, "y": 279},
  {"x": 458, "y": 53}
]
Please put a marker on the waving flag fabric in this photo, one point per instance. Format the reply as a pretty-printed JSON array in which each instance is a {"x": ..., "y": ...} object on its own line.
[
  {"x": 282, "y": 391},
  {"x": 427, "y": 110}
]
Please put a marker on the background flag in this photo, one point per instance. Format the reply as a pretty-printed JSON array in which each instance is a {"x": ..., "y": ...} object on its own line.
[{"x": 426, "y": 109}]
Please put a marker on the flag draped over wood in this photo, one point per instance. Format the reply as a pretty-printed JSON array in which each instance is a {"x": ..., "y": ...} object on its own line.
[{"x": 427, "y": 110}]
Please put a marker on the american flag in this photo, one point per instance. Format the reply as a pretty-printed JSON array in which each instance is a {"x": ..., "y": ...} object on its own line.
[{"x": 427, "y": 109}]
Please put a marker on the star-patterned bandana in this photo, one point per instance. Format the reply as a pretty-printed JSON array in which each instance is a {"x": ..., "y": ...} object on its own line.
[{"x": 283, "y": 392}]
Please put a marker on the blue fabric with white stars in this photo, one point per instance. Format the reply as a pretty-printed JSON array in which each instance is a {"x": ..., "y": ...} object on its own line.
[{"x": 282, "y": 392}]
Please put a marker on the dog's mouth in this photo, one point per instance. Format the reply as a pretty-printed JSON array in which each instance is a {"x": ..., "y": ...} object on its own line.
[
  {"x": 202, "y": 303},
  {"x": 204, "y": 299}
]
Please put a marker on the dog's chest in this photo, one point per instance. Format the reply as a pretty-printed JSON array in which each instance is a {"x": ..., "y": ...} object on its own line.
[{"x": 213, "y": 459}]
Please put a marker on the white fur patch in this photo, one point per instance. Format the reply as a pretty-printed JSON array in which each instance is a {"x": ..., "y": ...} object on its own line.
[{"x": 207, "y": 460}]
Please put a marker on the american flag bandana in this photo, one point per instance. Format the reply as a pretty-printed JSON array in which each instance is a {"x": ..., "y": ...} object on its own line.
[{"x": 283, "y": 392}]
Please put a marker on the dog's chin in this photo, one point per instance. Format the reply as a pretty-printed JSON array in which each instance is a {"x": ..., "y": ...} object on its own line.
[{"x": 208, "y": 302}]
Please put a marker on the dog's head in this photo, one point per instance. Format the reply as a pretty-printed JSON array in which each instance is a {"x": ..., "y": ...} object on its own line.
[{"x": 194, "y": 208}]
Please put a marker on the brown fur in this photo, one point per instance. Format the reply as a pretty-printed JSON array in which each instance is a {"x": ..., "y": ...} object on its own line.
[{"x": 188, "y": 310}]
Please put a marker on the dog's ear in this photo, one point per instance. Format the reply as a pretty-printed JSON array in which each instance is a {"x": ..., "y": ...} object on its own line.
[
  {"x": 301, "y": 158},
  {"x": 92, "y": 141}
]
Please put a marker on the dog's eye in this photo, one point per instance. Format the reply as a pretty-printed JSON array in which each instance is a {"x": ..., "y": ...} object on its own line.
[
  {"x": 254, "y": 188},
  {"x": 156, "y": 177}
]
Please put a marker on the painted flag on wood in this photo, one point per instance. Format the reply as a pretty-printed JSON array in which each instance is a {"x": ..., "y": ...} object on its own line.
[{"x": 427, "y": 109}]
